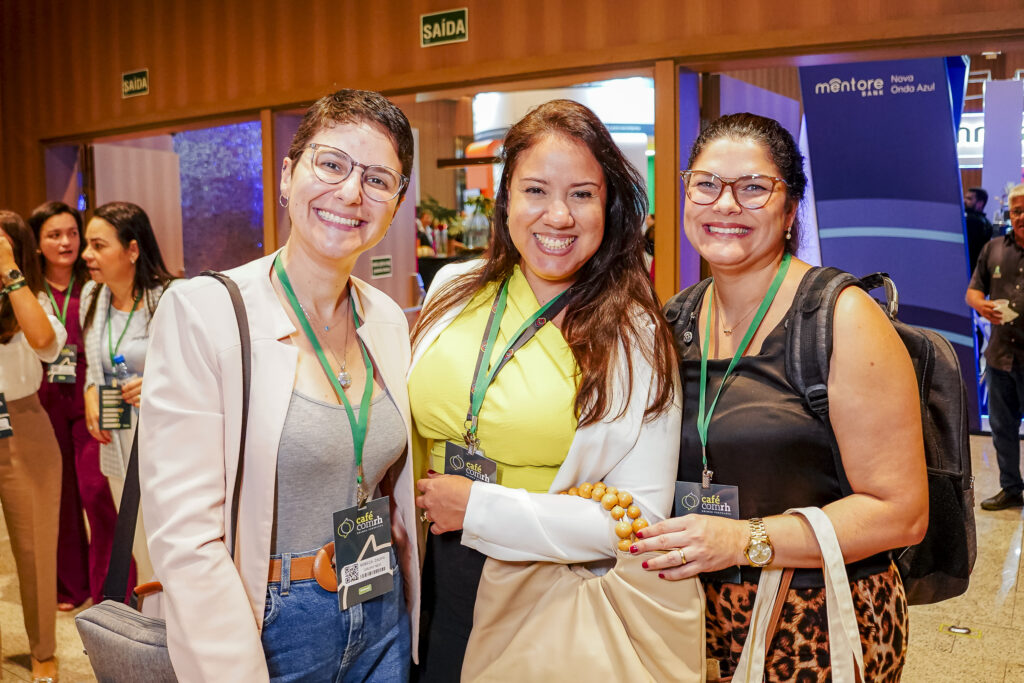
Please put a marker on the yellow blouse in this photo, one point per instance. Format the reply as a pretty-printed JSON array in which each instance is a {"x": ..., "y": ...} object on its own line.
[{"x": 527, "y": 421}]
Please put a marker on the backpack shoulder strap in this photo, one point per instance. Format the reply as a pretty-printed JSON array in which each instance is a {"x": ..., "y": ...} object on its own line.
[
  {"x": 681, "y": 309},
  {"x": 809, "y": 335}
]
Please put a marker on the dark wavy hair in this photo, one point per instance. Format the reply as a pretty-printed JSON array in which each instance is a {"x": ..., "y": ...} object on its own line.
[
  {"x": 25, "y": 256},
  {"x": 45, "y": 212},
  {"x": 151, "y": 275},
  {"x": 613, "y": 301},
  {"x": 356, "y": 106},
  {"x": 777, "y": 142}
]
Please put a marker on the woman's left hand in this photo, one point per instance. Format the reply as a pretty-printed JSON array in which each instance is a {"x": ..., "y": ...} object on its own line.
[
  {"x": 444, "y": 500},
  {"x": 131, "y": 391},
  {"x": 696, "y": 543}
]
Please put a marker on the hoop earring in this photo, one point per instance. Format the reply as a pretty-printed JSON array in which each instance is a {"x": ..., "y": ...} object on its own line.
[{"x": 283, "y": 201}]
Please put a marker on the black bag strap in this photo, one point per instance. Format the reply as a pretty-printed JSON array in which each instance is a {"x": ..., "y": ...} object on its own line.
[
  {"x": 115, "y": 587},
  {"x": 809, "y": 335},
  {"x": 681, "y": 311}
]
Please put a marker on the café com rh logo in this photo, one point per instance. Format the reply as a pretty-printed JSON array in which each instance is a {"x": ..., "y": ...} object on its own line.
[{"x": 867, "y": 87}]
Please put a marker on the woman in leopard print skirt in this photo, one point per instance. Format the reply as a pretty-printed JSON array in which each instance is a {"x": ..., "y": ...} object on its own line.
[{"x": 744, "y": 426}]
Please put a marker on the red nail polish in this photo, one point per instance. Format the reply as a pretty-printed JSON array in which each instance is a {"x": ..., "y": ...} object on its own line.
[
  {"x": 644, "y": 564},
  {"x": 633, "y": 549},
  {"x": 661, "y": 576},
  {"x": 431, "y": 472},
  {"x": 639, "y": 534}
]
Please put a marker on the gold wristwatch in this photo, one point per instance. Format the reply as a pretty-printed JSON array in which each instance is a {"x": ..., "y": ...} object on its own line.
[{"x": 759, "y": 550}]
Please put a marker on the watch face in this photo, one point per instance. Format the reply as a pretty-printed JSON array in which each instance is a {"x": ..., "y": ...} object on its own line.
[{"x": 759, "y": 553}]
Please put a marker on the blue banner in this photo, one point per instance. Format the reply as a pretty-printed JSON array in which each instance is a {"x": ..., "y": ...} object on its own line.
[{"x": 882, "y": 141}]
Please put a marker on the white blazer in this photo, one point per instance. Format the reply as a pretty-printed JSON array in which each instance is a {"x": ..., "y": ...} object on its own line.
[
  {"x": 628, "y": 453},
  {"x": 190, "y": 422}
]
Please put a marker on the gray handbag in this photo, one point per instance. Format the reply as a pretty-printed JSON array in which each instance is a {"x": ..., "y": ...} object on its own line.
[{"x": 122, "y": 643}]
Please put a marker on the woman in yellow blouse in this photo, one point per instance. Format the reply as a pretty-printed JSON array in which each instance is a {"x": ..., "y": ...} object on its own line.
[{"x": 543, "y": 366}]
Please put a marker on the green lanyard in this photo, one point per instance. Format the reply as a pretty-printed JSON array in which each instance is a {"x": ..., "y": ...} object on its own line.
[
  {"x": 111, "y": 347},
  {"x": 63, "y": 315},
  {"x": 704, "y": 413},
  {"x": 482, "y": 378},
  {"x": 358, "y": 425}
]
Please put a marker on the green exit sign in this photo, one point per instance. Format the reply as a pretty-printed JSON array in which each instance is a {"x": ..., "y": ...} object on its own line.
[
  {"x": 441, "y": 28},
  {"x": 135, "y": 83}
]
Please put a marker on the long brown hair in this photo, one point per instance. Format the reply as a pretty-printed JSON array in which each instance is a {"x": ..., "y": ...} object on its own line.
[
  {"x": 151, "y": 275},
  {"x": 613, "y": 301},
  {"x": 25, "y": 256}
]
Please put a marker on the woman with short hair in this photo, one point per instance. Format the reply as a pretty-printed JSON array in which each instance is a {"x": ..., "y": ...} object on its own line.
[{"x": 328, "y": 429}]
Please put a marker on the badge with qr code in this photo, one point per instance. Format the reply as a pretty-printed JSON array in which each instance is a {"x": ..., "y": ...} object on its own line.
[
  {"x": 362, "y": 552},
  {"x": 5, "y": 420}
]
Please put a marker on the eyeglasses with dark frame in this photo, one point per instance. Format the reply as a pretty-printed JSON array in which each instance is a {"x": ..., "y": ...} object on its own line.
[
  {"x": 750, "y": 191},
  {"x": 332, "y": 165}
]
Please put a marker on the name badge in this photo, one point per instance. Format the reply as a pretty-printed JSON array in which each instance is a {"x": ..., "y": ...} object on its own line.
[
  {"x": 63, "y": 370},
  {"x": 115, "y": 412},
  {"x": 5, "y": 420},
  {"x": 362, "y": 552},
  {"x": 719, "y": 500},
  {"x": 469, "y": 464}
]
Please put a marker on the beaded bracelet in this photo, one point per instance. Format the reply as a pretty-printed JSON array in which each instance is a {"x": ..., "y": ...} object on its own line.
[{"x": 619, "y": 505}]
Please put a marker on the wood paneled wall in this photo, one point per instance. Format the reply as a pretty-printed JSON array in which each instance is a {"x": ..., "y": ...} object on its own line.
[{"x": 62, "y": 61}]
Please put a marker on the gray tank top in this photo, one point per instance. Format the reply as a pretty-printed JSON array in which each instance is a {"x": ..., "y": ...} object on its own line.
[{"x": 316, "y": 469}]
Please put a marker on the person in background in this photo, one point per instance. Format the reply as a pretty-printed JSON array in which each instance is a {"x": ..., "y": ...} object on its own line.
[
  {"x": 82, "y": 556},
  {"x": 998, "y": 276},
  {"x": 128, "y": 279},
  {"x": 979, "y": 230},
  {"x": 328, "y": 406},
  {"x": 589, "y": 397},
  {"x": 750, "y": 429},
  {"x": 30, "y": 461}
]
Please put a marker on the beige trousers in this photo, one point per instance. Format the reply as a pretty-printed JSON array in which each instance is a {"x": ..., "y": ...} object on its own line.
[{"x": 30, "y": 469}]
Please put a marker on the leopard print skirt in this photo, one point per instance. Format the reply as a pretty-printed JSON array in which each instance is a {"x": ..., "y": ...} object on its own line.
[{"x": 799, "y": 650}]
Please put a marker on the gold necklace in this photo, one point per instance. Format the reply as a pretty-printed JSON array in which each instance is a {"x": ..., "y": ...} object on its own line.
[{"x": 728, "y": 331}]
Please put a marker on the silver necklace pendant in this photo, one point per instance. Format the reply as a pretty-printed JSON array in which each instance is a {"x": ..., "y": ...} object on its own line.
[{"x": 344, "y": 379}]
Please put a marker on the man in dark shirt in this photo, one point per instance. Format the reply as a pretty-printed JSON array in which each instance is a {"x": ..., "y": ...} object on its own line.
[
  {"x": 979, "y": 230},
  {"x": 999, "y": 275}
]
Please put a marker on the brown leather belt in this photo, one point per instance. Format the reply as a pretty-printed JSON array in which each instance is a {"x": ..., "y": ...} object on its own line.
[{"x": 319, "y": 567}]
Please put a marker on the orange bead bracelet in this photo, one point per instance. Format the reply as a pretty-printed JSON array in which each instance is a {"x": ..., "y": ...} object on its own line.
[{"x": 619, "y": 505}]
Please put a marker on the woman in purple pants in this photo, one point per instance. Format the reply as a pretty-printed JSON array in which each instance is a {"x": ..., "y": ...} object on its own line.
[{"x": 81, "y": 557}]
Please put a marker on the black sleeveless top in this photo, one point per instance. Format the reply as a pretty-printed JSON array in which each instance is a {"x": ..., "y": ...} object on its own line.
[{"x": 762, "y": 438}]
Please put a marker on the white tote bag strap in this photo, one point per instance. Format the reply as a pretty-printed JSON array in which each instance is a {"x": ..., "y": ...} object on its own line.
[
  {"x": 750, "y": 668},
  {"x": 843, "y": 635}
]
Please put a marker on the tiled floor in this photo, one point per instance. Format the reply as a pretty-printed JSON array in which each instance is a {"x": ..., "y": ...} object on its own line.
[{"x": 993, "y": 652}]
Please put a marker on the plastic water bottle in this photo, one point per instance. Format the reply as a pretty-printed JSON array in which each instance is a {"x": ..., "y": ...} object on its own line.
[{"x": 121, "y": 371}]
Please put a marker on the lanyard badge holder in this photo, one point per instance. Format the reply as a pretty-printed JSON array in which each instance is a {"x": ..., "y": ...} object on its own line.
[
  {"x": 362, "y": 534},
  {"x": 64, "y": 369},
  {"x": 469, "y": 461},
  {"x": 115, "y": 412}
]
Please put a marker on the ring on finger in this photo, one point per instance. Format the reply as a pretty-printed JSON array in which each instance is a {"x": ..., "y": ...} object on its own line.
[
  {"x": 682, "y": 556},
  {"x": 424, "y": 516}
]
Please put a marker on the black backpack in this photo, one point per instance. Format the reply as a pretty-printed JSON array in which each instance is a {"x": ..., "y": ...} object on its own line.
[{"x": 939, "y": 567}]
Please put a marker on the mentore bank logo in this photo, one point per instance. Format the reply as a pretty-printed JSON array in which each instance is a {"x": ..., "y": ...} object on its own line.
[{"x": 867, "y": 87}]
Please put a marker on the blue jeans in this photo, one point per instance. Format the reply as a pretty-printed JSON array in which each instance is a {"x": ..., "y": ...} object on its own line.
[
  {"x": 307, "y": 638},
  {"x": 1005, "y": 402}
]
